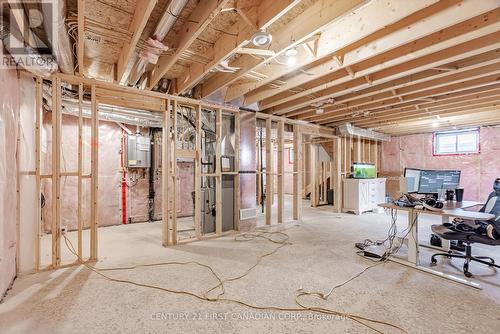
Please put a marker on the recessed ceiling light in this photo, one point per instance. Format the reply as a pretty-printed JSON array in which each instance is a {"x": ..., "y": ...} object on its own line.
[{"x": 262, "y": 38}]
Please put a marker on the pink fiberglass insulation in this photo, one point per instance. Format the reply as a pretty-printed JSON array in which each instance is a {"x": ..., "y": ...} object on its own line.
[
  {"x": 109, "y": 194},
  {"x": 390, "y": 154},
  {"x": 478, "y": 171},
  {"x": 185, "y": 187},
  {"x": 288, "y": 169},
  {"x": 9, "y": 108}
]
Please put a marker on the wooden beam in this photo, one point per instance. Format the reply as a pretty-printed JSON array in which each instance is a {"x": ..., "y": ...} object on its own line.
[
  {"x": 200, "y": 18},
  {"x": 393, "y": 85},
  {"x": 297, "y": 173},
  {"x": 38, "y": 156},
  {"x": 337, "y": 177},
  {"x": 80, "y": 172},
  {"x": 269, "y": 172},
  {"x": 218, "y": 172},
  {"x": 237, "y": 197},
  {"x": 307, "y": 24},
  {"x": 94, "y": 172},
  {"x": 413, "y": 98},
  {"x": 197, "y": 175},
  {"x": 442, "y": 100},
  {"x": 175, "y": 174},
  {"x": 238, "y": 36},
  {"x": 56, "y": 170},
  {"x": 81, "y": 36},
  {"x": 143, "y": 10},
  {"x": 347, "y": 35},
  {"x": 411, "y": 92},
  {"x": 392, "y": 50},
  {"x": 467, "y": 49},
  {"x": 313, "y": 151},
  {"x": 464, "y": 106},
  {"x": 281, "y": 170},
  {"x": 166, "y": 175},
  {"x": 486, "y": 117}
]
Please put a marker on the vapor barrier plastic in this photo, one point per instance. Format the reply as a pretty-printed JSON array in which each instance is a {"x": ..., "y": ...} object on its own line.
[
  {"x": 27, "y": 183},
  {"x": 8, "y": 133}
]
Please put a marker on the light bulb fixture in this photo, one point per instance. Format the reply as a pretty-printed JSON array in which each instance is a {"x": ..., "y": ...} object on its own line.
[
  {"x": 435, "y": 124},
  {"x": 262, "y": 38},
  {"x": 320, "y": 111},
  {"x": 291, "y": 61},
  {"x": 291, "y": 52}
]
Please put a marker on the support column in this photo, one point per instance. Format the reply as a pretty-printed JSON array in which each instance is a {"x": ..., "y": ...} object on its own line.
[
  {"x": 197, "y": 175},
  {"x": 165, "y": 176},
  {"x": 94, "y": 181},
  {"x": 218, "y": 172},
  {"x": 281, "y": 171},
  {"x": 56, "y": 173},
  {"x": 269, "y": 172},
  {"x": 297, "y": 173}
]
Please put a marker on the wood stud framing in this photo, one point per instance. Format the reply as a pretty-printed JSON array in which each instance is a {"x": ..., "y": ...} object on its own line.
[
  {"x": 281, "y": 170},
  {"x": 94, "y": 157},
  {"x": 269, "y": 172},
  {"x": 56, "y": 170},
  {"x": 38, "y": 159},
  {"x": 80, "y": 170},
  {"x": 170, "y": 153},
  {"x": 218, "y": 172}
]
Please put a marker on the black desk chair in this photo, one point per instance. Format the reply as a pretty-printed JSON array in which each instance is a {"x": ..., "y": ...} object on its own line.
[{"x": 490, "y": 237}]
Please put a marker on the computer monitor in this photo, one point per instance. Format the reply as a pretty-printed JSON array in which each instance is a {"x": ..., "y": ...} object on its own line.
[
  {"x": 412, "y": 176},
  {"x": 433, "y": 181}
]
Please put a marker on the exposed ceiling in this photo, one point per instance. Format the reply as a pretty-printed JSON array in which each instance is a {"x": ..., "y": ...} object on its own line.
[{"x": 395, "y": 66}]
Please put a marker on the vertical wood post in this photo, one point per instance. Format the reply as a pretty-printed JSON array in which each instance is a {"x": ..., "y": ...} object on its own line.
[
  {"x": 165, "y": 175},
  {"x": 94, "y": 181},
  {"x": 281, "y": 171},
  {"x": 80, "y": 170},
  {"x": 269, "y": 172},
  {"x": 297, "y": 173},
  {"x": 218, "y": 172},
  {"x": 197, "y": 175},
  {"x": 38, "y": 182},
  {"x": 237, "y": 200}
]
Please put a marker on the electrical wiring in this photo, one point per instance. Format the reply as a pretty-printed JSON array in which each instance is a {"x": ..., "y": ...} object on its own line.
[{"x": 282, "y": 240}]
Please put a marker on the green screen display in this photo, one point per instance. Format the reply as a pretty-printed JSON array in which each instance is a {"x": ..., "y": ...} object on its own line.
[{"x": 363, "y": 171}]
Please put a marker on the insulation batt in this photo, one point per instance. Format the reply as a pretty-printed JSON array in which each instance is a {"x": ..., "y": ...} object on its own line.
[{"x": 478, "y": 170}]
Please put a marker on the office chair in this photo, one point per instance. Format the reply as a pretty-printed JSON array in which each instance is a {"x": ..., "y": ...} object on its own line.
[{"x": 470, "y": 232}]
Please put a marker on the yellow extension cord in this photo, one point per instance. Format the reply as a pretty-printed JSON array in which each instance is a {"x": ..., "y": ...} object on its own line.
[{"x": 283, "y": 241}]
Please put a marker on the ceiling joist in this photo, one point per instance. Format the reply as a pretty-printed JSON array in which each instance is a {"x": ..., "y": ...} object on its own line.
[{"x": 200, "y": 18}]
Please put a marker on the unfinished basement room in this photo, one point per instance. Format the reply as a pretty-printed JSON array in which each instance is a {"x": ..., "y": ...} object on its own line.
[{"x": 249, "y": 166}]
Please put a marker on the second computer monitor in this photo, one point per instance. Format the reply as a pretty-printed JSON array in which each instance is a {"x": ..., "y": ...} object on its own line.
[{"x": 434, "y": 181}]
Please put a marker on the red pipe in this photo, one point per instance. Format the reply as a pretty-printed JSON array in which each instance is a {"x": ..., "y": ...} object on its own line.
[{"x": 124, "y": 181}]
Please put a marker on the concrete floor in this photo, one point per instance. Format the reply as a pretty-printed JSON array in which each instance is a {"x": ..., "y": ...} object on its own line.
[{"x": 75, "y": 300}]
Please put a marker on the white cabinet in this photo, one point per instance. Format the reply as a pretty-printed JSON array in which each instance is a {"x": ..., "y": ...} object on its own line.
[{"x": 361, "y": 195}]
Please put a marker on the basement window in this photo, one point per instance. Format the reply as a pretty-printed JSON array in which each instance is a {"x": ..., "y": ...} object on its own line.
[{"x": 456, "y": 142}]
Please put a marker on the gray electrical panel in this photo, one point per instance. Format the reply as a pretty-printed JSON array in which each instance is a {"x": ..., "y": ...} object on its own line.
[{"x": 138, "y": 152}]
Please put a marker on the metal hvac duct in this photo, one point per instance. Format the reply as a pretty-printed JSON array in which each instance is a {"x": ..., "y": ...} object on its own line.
[{"x": 349, "y": 129}]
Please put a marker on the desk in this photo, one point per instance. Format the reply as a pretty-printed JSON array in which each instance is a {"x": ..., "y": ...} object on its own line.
[{"x": 451, "y": 209}]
